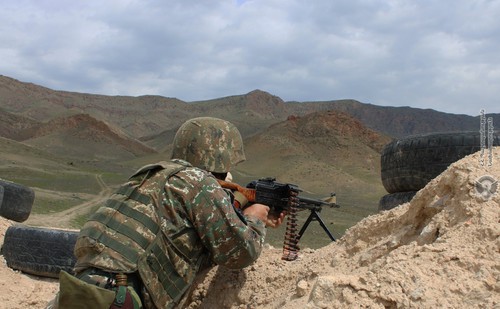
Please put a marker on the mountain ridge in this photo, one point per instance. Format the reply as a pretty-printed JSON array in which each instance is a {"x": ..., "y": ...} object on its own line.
[{"x": 147, "y": 116}]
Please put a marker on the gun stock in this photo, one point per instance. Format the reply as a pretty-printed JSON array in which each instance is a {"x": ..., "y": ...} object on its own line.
[{"x": 248, "y": 193}]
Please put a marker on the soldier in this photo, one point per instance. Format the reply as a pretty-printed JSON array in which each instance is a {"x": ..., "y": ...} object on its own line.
[{"x": 171, "y": 220}]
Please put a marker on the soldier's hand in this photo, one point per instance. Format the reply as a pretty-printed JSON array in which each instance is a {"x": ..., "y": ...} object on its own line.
[
  {"x": 275, "y": 220},
  {"x": 259, "y": 211}
]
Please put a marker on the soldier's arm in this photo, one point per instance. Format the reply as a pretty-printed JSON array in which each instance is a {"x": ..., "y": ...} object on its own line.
[{"x": 233, "y": 241}]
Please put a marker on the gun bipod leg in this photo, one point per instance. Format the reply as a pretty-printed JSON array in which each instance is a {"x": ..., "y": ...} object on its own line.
[{"x": 314, "y": 215}]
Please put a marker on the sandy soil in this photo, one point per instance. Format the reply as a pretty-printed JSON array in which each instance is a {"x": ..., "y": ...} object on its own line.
[{"x": 442, "y": 250}]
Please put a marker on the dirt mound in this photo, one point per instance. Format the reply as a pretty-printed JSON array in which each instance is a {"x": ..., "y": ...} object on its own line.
[{"x": 440, "y": 250}]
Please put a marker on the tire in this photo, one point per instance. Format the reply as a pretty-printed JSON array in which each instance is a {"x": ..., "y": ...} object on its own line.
[
  {"x": 392, "y": 200},
  {"x": 16, "y": 201},
  {"x": 408, "y": 164},
  {"x": 39, "y": 251}
]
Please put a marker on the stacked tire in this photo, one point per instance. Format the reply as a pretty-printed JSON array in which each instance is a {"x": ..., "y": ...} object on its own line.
[
  {"x": 33, "y": 250},
  {"x": 409, "y": 163},
  {"x": 39, "y": 251},
  {"x": 16, "y": 201}
]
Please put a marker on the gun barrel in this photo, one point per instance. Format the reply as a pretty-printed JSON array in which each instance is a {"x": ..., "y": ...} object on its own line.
[{"x": 306, "y": 202}]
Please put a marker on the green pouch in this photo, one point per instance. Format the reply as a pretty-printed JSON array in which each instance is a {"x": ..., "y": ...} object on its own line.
[{"x": 77, "y": 294}]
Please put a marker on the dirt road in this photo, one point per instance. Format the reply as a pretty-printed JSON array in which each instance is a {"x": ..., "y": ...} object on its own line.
[{"x": 64, "y": 218}]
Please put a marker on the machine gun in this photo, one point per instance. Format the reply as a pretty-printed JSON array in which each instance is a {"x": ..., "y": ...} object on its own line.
[{"x": 285, "y": 197}]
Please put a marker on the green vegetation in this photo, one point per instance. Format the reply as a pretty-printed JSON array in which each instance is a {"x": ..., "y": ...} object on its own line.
[
  {"x": 43, "y": 205},
  {"x": 114, "y": 179},
  {"x": 356, "y": 202},
  {"x": 80, "y": 220},
  {"x": 71, "y": 180},
  {"x": 60, "y": 181}
]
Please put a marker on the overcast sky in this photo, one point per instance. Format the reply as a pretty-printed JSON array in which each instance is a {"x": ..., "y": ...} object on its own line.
[{"x": 442, "y": 54}]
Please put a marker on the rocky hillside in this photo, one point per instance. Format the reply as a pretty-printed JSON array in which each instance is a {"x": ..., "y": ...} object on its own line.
[
  {"x": 395, "y": 121},
  {"x": 138, "y": 116},
  {"x": 329, "y": 149},
  {"x": 83, "y": 136},
  {"x": 15, "y": 126},
  {"x": 150, "y": 118}
]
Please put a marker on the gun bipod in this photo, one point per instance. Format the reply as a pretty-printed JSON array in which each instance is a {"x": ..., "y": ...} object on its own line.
[{"x": 314, "y": 216}]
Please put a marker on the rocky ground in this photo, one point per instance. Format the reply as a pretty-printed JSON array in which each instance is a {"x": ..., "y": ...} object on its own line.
[{"x": 442, "y": 250}]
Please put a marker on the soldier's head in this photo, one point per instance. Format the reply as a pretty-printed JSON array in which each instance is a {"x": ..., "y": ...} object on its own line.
[{"x": 209, "y": 143}]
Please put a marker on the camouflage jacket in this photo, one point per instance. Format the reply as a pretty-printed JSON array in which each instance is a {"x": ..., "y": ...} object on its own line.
[{"x": 164, "y": 224}]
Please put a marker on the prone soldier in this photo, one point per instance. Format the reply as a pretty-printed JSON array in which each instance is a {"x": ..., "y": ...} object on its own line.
[{"x": 170, "y": 221}]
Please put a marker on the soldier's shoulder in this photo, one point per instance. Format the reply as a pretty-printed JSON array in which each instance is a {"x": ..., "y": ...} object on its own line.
[
  {"x": 195, "y": 182},
  {"x": 195, "y": 175}
]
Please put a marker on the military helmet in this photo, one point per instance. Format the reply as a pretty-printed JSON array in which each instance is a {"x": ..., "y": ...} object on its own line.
[{"x": 209, "y": 143}]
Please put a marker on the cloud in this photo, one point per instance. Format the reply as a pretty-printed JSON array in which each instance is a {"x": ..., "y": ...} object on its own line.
[{"x": 440, "y": 54}]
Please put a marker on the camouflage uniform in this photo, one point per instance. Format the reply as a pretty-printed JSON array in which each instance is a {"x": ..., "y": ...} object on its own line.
[
  {"x": 160, "y": 229},
  {"x": 165, "y": 224}
]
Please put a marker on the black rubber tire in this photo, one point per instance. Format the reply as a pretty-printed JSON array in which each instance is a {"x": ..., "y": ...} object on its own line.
[
  {"x": 16, "y": 201},
  {"x": 408, "y": 164},
  {"x": 392, "y": 200},
  {"x": 39, "y": 251}
]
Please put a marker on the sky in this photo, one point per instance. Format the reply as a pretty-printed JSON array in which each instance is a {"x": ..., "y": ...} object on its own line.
[{"x": 441, "y": 54}]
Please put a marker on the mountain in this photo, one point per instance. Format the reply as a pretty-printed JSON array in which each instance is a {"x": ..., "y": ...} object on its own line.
[
  {"x": 395, "y": 121},
  {"x": 138, "y": 116},
  {"x": 322, "y": 153},
  {"x": 82, "y": 136},
  {"x": 152, "y": 119},
  {"x": 251, "y": 113},
  {"x": 322, "y": 150}
]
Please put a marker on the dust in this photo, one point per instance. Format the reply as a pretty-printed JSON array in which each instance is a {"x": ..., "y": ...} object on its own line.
[{"x": 441, "y": 250}]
